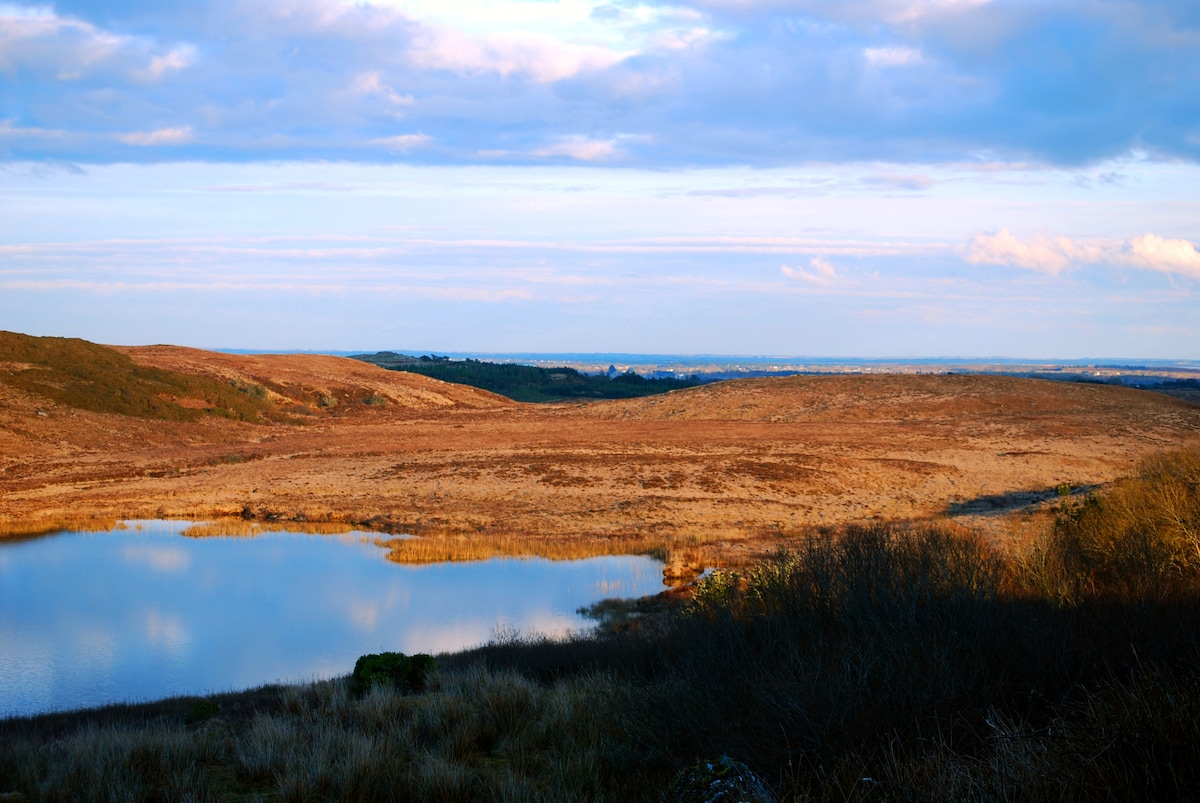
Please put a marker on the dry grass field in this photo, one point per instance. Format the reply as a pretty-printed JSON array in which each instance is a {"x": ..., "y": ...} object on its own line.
[{"x": 731, "y": 468}]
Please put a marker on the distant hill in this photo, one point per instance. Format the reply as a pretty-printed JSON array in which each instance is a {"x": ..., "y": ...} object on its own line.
[
  {"x": 87, "y": 376},
  {"x": 528, "y": 383},
  {"x": 308, "y": 383}
]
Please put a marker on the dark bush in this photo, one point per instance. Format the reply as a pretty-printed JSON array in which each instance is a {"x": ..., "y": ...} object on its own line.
[{"x": 394, "y": 669}]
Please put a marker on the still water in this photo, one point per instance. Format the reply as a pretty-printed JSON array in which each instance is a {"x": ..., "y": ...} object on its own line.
[{"x": 144, "y": 613}]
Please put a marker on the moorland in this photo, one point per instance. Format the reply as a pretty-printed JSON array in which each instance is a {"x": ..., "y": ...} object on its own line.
[
  {"x": 727, "y": 469},
  {"x": 935, "y": 587}
]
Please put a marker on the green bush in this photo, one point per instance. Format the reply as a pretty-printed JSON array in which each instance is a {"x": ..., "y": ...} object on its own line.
[
  {"x": 393, "y": 670},
  {"x": 202, "y": 710}
]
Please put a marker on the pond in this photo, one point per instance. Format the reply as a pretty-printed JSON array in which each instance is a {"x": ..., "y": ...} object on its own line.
[{"x": 144, "y": 612}]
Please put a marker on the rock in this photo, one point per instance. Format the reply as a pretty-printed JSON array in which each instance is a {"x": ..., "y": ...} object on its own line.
[{"x": 722, "y": 781}]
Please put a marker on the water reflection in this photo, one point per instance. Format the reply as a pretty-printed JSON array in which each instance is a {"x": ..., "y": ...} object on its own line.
[{"x": 88, "y": 618}]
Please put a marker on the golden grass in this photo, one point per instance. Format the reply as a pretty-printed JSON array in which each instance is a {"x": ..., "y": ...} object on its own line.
[
  {"x": 459, "y": 548},
  {"x": 240, "y": 528},
  {"x": 33, "y": 528}
]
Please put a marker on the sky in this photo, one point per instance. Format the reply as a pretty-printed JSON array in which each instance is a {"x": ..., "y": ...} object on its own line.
[{"x": 865, "y": 178}]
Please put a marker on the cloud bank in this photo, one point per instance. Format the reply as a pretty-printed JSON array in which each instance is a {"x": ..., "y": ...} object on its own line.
[
  {"x": 1053, "y": 255},
  {"x": 686, "y": 83}
]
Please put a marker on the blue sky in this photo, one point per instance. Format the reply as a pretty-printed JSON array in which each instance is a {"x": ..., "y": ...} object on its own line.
[{"x": 865, "y": 178}]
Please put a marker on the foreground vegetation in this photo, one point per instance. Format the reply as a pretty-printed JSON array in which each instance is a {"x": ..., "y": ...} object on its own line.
[
  {"x": 880, "y": 663},
  {"x": 529, "y": 383}
]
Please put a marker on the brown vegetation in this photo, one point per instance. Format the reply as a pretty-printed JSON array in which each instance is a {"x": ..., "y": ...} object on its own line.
[{"x": 740, "y": 466}]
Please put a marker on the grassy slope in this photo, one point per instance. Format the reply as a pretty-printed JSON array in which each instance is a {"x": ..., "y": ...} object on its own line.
[
  {"x": 884, "y": 663},
  {"x": 79, "y": 374}
]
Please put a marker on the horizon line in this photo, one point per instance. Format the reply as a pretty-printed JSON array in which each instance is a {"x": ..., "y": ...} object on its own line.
[{"x": 793, "y": 358}]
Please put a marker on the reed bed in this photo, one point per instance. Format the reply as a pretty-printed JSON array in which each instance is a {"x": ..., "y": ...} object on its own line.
[
  {"x": 241, "y": 528},
  {"x": 35, "y": 528},
  {"x": 886, "y": 662},
  {"x": 442, "y": 548}
]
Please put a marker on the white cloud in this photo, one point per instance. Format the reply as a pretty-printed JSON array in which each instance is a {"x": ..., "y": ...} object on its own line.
[
  {"x": 179, "y": 58},
  {"x": 583, "y": 149},
  {"x": 1170, "y": 256},
  {"x": 161, "y": 136},
  {"x": 684, "y": 39},
  {"x": 537, "y": 56},
  {"x": 899, "y": 181},
  {"x": 908, "y": 10},
  {"x": 864, "y": 13},
  {"x": 402, "y": 142},
  {"x": 371, "y": 83},
  {"x": 892, "y": 56},
  {"x": 625, "y": 27},
  {"x": 7, "y": 129},
  {"x": 1054, "y": 254},
  {"x": 822, "y": 273},
  {"x": 1045, "y": 254},
  {"x": 39, "y": 40}
]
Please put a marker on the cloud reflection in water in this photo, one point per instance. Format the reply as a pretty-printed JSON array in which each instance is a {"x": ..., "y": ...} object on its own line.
[{"x": 144, "y": 613}]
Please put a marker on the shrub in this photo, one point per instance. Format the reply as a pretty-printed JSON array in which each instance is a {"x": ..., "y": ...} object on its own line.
[
  {"x": 392, "y": 669},
  {"x": 202, "y": 710},
  {"x": 1139, "y": 540}
]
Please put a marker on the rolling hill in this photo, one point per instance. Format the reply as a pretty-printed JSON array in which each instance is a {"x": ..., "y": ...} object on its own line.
[{"x": 732, "y": 465}]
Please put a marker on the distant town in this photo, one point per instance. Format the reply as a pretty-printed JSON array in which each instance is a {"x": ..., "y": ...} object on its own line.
[{"x": 1179, "y": 378}]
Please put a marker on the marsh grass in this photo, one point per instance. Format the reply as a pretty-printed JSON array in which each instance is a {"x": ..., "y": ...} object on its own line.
[
  {"x": 38, "y": 528},
  {"x": 241, "y": 528},
  {"x": 898, "y": 663},
  {"x": 226, "y": 528},
  {"x": 442, "y": 548}
]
